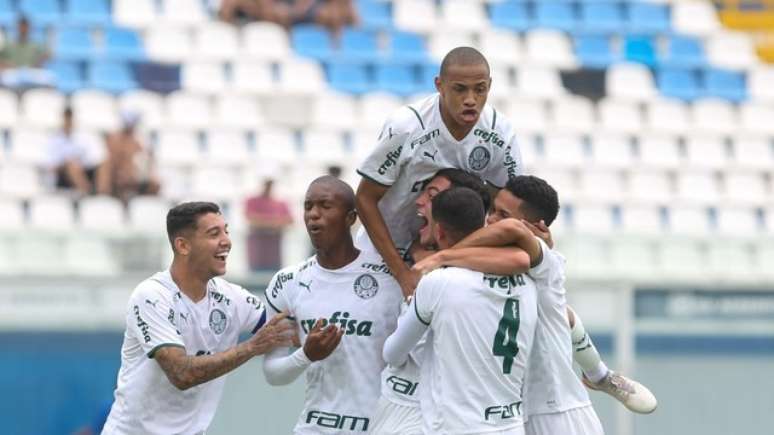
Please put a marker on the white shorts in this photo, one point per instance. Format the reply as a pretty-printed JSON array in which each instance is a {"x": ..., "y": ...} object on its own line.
[
  {"x": 393, "y": 419},
  {"x": 578, "y": 421}
]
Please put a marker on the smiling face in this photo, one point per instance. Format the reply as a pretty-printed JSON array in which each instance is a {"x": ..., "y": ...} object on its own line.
[
  {"x": 424, "y": 205},
  {"x": 506, "y": 205},
  {"x": 464, "y": 90},
  {"x": 326, "y": 215},
  {"x": 208, "y": 246}
]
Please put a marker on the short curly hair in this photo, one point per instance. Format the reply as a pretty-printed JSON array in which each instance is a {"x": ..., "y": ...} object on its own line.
[{"x": 540, "y": 200}]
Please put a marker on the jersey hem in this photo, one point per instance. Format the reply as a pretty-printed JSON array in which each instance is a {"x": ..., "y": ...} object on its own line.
[
  {"x": 561, "y": 410},
  {"x": 371, "y": 179},
  {"x": 416, "y": 310},
  {"x": 155, "y": 349},
  {"x": 268, "y": 301}
]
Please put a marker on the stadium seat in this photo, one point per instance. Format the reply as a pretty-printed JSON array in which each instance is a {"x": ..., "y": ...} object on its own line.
[
  {"x": 683, "y": 52},
  {"x": 415, "y": 15},
  {"x": 203, "y": 77},
  {"x": 594, "y": 51},
  {"x": 216, "y": 41},
  {"x": 689, "y": 220},
  {"x": 101, "y": 214},
  {"x": 619, "y": 116},
  {"x": 601, "y": 17},
  {"x": 462, "y": 15},
  {"x": 177, "y": 148},
  {"x": 11, "y": 215},
  {"x": 754, "y": 152},
  {"x": 168, "y": 44},
  {"x": 40, "y": 254},
  {"x": 41, "y": 12},
  {"x": 265, "y": 41},
  {"x": 539, "y": 82},
  {"x": 228, "y": 148},
  {"x": 501, "y": 47},
  {"x": 252, "y": 77},
  {"x": 639, "y": 49},
  {"x": 550, "y": 48},
  {"x": 611, "y": 150},
  {"x": 427, "y": 74},
  {"x": 633, "y": 258},
  {"x": 756, "y": 118},
  {"x": 74, "y": 44},
  {"x": 724, "y": 84},
  {"x": 562, "y": 180},
  {"x": 694, "y": 18},
  {"x": 730, "y": 261},
  {"x": 123, "y": 45},
  {"x": 147, "y": 214},
  {"x": 587, "y": 256},
  {"x": 312, "y": 41},
  {"x": 699, "y": 188},
  {"x": 667, "y": 115},
  {"x": 396, "y": 79},
  {"x": 731, "y": 50},
  {"x": 323, "y": 147},
  {"x": 238, "y": 112},
  {"x": 95, "y": 110},
  {"x": 555, "y": 15},
  {"x": 51, "y": 213},
  {"x": 642, "y": 220},
  {"x": 276, "y": 145},
  {"x": 768, "y": 220},
  {"x": 20, "y": 181},
  {"x": 374, "y": 109},
  {"x": 183, "y": 12},
  {"x": 216, "y": 183},
  {"x": 647, "y": 18},
  {"x": 407, "y": 47},
  {"x": 442, "y": 42},
  {"x": 602, "y": 186},
  {"x": 334, "y": 112},
  {"x": 30, "y": 147},
  {"x": 574, "y": 114},
  {"x": 298, "y": 75},
  {"x": 759, "y": 84},
  {"x": 714, "y": 116},
  {"x": 659, "y": 151},
  {"x": 148, "y": 104},
  {"x": 374, "y": 14},
  {"x": 349, "y": 78},
  {"x": 68, "y": 77},
  {"x": 706, "y": 151},
  {"x": 9, "y": 108},
  {"x": 42, "y": 108},
  {"x": 681, "y": 259},
  {"x": 502, "y": 88},
  {"x": 189, "y": 111},
  {"x": 564, "y": 150},
  {"x": 358, "y": 45},
  {"x": 630, "y": 81},
  {"x": 678, "y": 83},
  {"x": 512, "y": 15},
  {"x": 89, "y": 256},
  {"x": 592, "y": 219},
  {"x": 115, "y": 77},
  {"x": 527, "y": 116},
  {"x": 134, "y": 13},
  {"x": 7, "y": 13},
  {"x": 744, "y": 188},
  {"x": 87, "y": 12}
]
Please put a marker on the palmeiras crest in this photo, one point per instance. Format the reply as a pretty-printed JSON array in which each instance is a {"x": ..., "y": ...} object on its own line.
[{"x": 366, "y": 286}]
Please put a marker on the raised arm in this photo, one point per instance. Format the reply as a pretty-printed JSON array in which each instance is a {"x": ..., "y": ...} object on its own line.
[
  {"x": 506, "y": 260},
  {"x": 507, "y": 232},
  {"x": 186, "y": 371}
]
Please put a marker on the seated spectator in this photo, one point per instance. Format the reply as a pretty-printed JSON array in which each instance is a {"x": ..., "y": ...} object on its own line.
[
  {"x": 129, "y": 168},
  {"x": 74, "y": 160},
  {"x": 333, "y": 14},
  {"x": 334, "y": 171},
  {"x": 21, "y": 60},
  {"x": 268, "y": 218}
]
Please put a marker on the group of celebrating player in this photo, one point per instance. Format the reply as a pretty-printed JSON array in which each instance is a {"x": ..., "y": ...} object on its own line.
[{"x": 446, "y": 315}]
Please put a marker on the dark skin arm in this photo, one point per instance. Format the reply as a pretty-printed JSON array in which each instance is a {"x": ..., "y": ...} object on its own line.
[
  {"x": 321, "y": 342},
  {"x": 186, "y": 371}
]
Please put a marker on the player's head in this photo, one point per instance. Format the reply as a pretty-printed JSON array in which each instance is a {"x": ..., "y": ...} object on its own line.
[
  {"x": 526, "y": 197},
  {"x": 445, "y": 179},
  {"x": 199, "y": 237},
  {"x": 457, "y": 212},
  {"x": 329, "y": 212},
  {"x": 463, "y": 83},
  {"x": 67, "y": 119}
]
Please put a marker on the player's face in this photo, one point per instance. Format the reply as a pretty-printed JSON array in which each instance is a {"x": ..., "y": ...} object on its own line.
[
  {"x": 424, "y": 205},
  {"x": 464, "y": 90},
  {"x": 326, "y": 217},
  {"x": 506, "y": 205},
  {"x": 210, "y": 244}
]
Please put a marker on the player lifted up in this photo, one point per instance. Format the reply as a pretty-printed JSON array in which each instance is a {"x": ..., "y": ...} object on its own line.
[
  {"x": 345, "y": 304},
  {"x": 453, "y": 128}
]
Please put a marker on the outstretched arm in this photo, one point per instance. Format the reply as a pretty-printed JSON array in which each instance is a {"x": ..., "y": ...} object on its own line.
[
  {"x": 507, "y": 232},
  {"x": 506, "y": 260},
  {"x": 279, "y": 368}
]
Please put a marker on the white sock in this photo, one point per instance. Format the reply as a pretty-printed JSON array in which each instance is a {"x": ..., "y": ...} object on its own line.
[{"x": 585, "y": 354}]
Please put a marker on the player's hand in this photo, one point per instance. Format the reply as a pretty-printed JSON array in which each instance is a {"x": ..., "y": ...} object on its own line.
[
  {"x": 541, "y": 231},
  {"x": 408, "y": 280},
  {"x": 429, "y": 263},
  {"x": 278, "y": 332},
  {"x": 321, "y": 342}
]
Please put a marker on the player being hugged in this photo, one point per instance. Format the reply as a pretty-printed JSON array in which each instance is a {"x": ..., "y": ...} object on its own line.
[{"x": 345, "y": 304}]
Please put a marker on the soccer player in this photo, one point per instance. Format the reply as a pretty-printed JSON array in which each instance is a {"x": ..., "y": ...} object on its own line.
[
  {"x": 482, "y": 327},
  {"x": 453, "y": 128},
  {"x": 345, "y": 304},
  {"x": 182, "y": 328}
]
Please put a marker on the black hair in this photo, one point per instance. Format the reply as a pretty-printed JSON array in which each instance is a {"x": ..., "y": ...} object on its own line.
[
  {"x": 539, "y": 200},
  {"x": 341, "y": 188},
  {"x": 67, "y": 112},
  {"x": 462, "y": 56},
  {"x": 183, "y": 217},
  {"x": 459, "y": 211},
  {"x": 460, "y": 178}
]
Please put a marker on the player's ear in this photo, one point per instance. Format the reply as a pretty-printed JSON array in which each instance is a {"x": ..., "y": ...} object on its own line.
[
  {"x": 351, "y": 217},
  {"x": 182, "y": 246},
  {"x": 438, "y": 83}
]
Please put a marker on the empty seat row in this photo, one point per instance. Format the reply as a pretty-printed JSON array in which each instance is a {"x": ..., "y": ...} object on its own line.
[{"x": 48, "y": 12}]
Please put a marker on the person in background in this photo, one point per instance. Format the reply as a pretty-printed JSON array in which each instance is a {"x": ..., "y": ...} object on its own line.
[
  {"x": 21, "y": 60},
  {"x": 129, "y": 167},
  {"x": 334, "y": 171},
  {"x": 267, "y": 217},
  {"x": 74, "y": 161},
  {"x": 331, "y": 14}
]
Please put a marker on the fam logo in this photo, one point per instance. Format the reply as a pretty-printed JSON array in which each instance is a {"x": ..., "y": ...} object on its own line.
[
  {"x": 218, "y": 321},
  {"x": 479, "y": 158},
  {"x": 366, "y": 286}
]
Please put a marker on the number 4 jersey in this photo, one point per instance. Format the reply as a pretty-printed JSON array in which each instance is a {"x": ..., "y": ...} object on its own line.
[{"x": 482, "y": 328}]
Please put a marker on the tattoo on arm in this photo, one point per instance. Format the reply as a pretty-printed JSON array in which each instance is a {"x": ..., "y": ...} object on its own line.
[{"x": 186, "y": 371}]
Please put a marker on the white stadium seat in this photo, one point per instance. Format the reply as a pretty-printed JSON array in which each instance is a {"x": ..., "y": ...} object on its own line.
[
  {"x": 633, "y": 258},
  {"x": 147, "y": 214},
  {"x": 630, "y": 81},
  {"x": 611, "y": 150},
  {"x": 642, "y": 219},
  {"x": 19, "y": 181},
  {"x": 42, "y": 108},
  {"x": 756, "y": 118},
  {"x": 528, "y": 116},
  {"x": 667, "y": 115},
  {"x": 759, "y": 82},
  {"x": 216, "y": 41},
  {"x": 738, "y": 222},
  {"x": 265, "y": 41},
  {"x": 323, "y": 146},
  {"x": 185, "y": 110},
  {"x": 587, "y": 257},
  {"x": 539, "y": 82},
  {"x": 714, "y": 116},
  {"x": 603, "y": 186},
  {"x": 592, "y": 219},
  {"x": 375, "y": 107},
  {"x": 52, "y": 213},
  {"x": 168, "y": 44},
  {"x": 30, "y": 147},
  {"x": 334, "y": 111},
  {"x": 149, "y": 105},
  {"x": 650, "y": 187},
  {"x": 203, "y": 77},
  {"x": 418, "y": 16},
  {"x": 563, "y": 181},
  {"x": 686, "y": 220},
  {"x": 681, "y": 259},
  {"x": 549, "y": 48},
  {"x": 39, "y": 254},
  {"x": 754, "y": 152},
  {"x": 501, "y": 47},
  {"x": 95, "y": 110},
  {"x": 134, "y": 13},
  {"x": 463, "y": 15},
  {"x": 178, "y": 148},
  {"x": 659, "y": 151},
  {"x": 228, "y": 148},
  {"x": 730, "y": 261},
  {"x": 277, "y": 145},
  {"x": 706, "y": 151},
  {"x": 441, "y": 42},
  {"x": 564, "y": 150},
  {"x": 213, "y": 183},
  {"x": 183, "y": 12},
  {"x": 239, "y": 112},
  {"x": 746, "y": 188},
  {"x": 619, "y": 116},
  {"x": 9, "y": 108},
  {"x": 11, "y": 215},
  {"x": 694, "y": 17},
  {"x": 697, "y": 187},
  {"x": 503, "y": 87},
  {"x": 733, "y": 50},
  {"x": 90, "y": 256},
  {"x": 101, "y": 213},
  {"x": 251, "y": 77},
  {"x": 299, "y": 75},
  {"x": 573, "y": 114}
]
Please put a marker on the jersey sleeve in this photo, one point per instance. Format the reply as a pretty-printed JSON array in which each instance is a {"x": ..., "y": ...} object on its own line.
[
  {"x": 428, "y": 296},
  {"x": 151, "y": 318},
  {"x": 276, "y": 293},
  {"x": 549, "y": 273},
  {"x": 509, "y": 166},
  {"x": 383, "y": 164},
  {"x": 251, "y": 311}
]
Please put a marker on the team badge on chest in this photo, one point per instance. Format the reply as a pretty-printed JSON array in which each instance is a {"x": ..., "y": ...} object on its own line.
[
  {"x": 218, "y": 321},
  {"x": 366, "y": 286},
  {"x": 479, "y": 158}
]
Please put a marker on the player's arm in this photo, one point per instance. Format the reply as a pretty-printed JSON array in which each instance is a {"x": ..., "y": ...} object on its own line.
[
  {"x": 404, "y": 339},
  {"x": 507, "y": 232},
  {"x": 369, "y": 193},
  {"x": 279, "y": 368},
  {"x": 186, "y": 371},
  {"x": 506, "y": 260}
]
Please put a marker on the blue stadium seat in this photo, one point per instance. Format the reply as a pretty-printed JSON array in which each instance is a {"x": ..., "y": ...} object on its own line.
[
  {"x": 37, "y": 33},
  {"x": 374, "y": 14},
  {"x": 115, "y": 77},
  {"x": 88, "y": 12},
  {"x": 678, "y": 83},
  {"x": 407, "y": 47},
  {"x": 602, "y": 17},
  {"x": 640, "y": 49},
  {"x": 73, "y": 44},
  {"x": 427, "y": 75},
  {"x": 648, "y": 18},
  {"x": 41, "y": 12},
  {"x": 397, "y": 79},
  {"x": 68, "y": 75},
  {"x": 349, "y": 77},
  {"x": 729, "y": 85},
  {"x": 311, "y": 41},
  {"x": 358, "y": 45},
  {"x": 511, "y": 15},
  {"x": 683, "y": 52},
  {"x": 8, "y": 13},
  {"x": 594, "y": 51},
  {"x": 555, "y": 15},
  {"x": 123, "y": 44}
]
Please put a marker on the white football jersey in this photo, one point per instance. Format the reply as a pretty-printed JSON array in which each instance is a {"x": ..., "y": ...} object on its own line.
[
  {"x": 159, "y": 314},
  {"x": 415, "y": 144},
  {"x": 475, "y": 362},
  {"x": 552, "y": 385},
  {"x": 400, "y": 385},
  {"x": 363, "y": 299}
]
